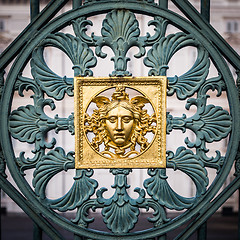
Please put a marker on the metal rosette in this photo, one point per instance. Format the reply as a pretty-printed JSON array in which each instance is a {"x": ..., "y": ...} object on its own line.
[{"x": 30, "y": 123}]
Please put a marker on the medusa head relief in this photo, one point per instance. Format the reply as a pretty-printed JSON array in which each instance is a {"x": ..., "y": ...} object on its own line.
[
  {"x": 120, "y": 124},
  {"x": 115, "y": 129}
]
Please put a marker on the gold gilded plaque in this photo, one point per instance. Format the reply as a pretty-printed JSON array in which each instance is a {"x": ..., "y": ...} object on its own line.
[{"x": 120, "y": 122}]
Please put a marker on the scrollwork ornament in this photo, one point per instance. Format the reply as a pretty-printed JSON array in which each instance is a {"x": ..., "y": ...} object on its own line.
[
  {"x": 24, "y": 83},
  {"x": 160, "y": 30},
  {"x": 176, "y": 123},
  {"x": 83, "y": 212},
  {"x": 80, "y": 28},
  {"x": 159, "y": 214},
  {"x": 215, "y": 83}
]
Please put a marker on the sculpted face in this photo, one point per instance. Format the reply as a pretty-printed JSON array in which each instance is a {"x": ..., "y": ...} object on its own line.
[{"x": 119, "y": 124}]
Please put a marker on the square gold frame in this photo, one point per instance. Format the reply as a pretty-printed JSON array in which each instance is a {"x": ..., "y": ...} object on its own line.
[{"x": 154, "y": 88}]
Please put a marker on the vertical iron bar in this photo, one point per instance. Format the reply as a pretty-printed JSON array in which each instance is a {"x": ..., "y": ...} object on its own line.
[
  {"x": 205, "y": 9},
  {"x": 238, "y": 154},
  {"x": 2, "y": 72},
  {"x": 202, "y": 231},
  {"x": 0, "y": 213},
  {"x": 76, "y": 3},
  {"x": 37, "y": 232},
  {"x": 34, "y": 9},
  {"x": 163, "y": 3},
  {"x": 239, "y": 213}
]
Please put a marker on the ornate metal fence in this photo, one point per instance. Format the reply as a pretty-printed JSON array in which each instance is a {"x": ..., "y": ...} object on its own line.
[{"x": 120, "y": 32}]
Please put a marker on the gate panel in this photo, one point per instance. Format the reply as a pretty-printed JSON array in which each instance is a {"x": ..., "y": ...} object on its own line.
[{"x": 120, "y": 32}]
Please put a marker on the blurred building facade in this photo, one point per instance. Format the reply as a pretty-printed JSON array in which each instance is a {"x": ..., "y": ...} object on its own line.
[{"x": 225, "y": 17}]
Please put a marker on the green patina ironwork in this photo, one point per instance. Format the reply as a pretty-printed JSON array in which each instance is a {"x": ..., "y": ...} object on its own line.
[{"x": 120, "y": 32}]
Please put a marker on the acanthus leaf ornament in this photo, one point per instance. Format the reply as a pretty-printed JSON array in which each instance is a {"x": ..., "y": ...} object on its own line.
[
  {"x": 162, "y": 51},
  {"x": 122, "y": 204},
  {"x": 54, "y": 85},
  {"x": 202, "y": 123},
  {"x": 120, "y": 31},
  {"x": 83, "y": 188},
  {"x": 188, "y": 83},
  {"x": 29, "y": 124},
  {"x": 52, "y": 163},
  {"x": 158, "y": 188},
  {"x": 184, "y": 160},
  {"x": 79, "y": 53}
]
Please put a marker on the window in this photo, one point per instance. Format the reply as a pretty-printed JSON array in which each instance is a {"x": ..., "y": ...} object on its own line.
[
  {"x": 232, "y": 26},
  {"x": 2, "y": 25}
]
